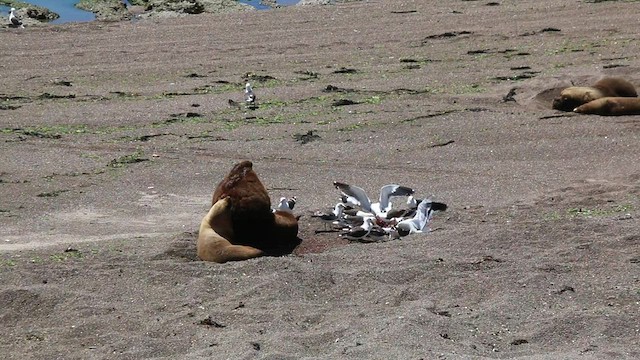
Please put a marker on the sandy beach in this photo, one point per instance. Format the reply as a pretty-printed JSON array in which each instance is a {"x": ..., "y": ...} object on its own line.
[{"x": 113, "y": 136}]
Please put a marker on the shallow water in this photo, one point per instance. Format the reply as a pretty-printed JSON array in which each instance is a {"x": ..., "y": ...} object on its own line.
[
  {"x": 69, "y": 13},
  {"x": 65, "y": 8},
  {"x": 256, "y": 3}
]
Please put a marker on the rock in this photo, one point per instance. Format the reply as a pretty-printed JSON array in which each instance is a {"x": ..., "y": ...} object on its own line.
[
  {"x": 106, "y": 10},
  {"x": 38, "y": 13},
  {"x": 180, "y": 6}
]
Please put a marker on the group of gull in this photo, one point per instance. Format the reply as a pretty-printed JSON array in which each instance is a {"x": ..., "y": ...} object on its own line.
[{"x": 359, "y": 219}]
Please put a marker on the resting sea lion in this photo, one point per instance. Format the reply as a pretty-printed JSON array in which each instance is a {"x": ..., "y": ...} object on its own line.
[
  {"x": 215, "y": 230},
  {"x": 253, "y": 222},
  {"x": 611, "y": 106},
  {"x": 574, "y": 96}
]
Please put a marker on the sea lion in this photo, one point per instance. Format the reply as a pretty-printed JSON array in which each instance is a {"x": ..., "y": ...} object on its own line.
[
  {"x": 574, "y": 96},
  {"x": 215, "y": 230},
  {"x": 611, "y": 106},
  {"x": 253, "y": 221}
]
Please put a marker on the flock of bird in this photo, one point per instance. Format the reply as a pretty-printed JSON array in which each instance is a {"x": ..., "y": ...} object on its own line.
[{"x": 357, "y": 218}]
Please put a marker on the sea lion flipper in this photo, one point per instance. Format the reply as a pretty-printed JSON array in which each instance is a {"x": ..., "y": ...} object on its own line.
[
  {"x": 215, "y": 234},
  {"x": 238, "y": 252}
]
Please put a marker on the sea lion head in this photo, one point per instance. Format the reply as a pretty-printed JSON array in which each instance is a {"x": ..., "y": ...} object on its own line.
[{"x": 574, "y": 96}]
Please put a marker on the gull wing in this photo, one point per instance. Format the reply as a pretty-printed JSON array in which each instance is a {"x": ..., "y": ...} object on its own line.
[
  {"x": 387, "y": 191},
  {"x": 355, "y": 192}
]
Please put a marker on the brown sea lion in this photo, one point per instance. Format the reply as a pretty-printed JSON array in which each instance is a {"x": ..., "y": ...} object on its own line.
[
  {"x": 574, "y": 96},
  {"x": 215, "y": 231},
  {"x": 254, "y": 223},
  {"x": 611, "y": 106}
]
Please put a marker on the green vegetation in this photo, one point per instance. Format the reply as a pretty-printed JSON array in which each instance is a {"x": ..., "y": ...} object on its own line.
[
  {"x": 67, "y": 254},
  {"x": 278, "y": 119},
  {"x": 7, "y": 263},
  {"x": 124, "y": 160},
  {"x": 572, "y": 213},
  {"x": 47, "y": 131},
  {"x": 582, "y": 212},
  {"x": 467, "y": 89},
  {"x": 375, "y": 100},
  {"x": 271, "y": 104}
]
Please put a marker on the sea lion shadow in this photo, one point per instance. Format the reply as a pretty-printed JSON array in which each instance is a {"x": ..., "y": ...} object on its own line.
[{"x": 284, "y": 248}]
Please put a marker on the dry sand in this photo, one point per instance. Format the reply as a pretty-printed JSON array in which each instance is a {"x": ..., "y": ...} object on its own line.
[{"x": 103, "y": 183}]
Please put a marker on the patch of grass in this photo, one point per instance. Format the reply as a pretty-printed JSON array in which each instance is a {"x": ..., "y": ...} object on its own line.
[
  {"x": 271, "y": 104},
  {"x": 47, "y": 131},
  {"x": 271, "y": 83},
  {"x": 588, "y": 213},
  {"x": 7, "y": 263},
  {"x": 307, "y": 74},
  {"x": 573, "y": 46},
  {"x": 468, "y": 89},
  {"x": 596, "y": 212},
  {"x": 229, "y": 124},
  {"x": 375, "y": 100},
  {"x": 69, "y": 253},
  {"x": 278, "y": 119},
  {"x": 326, "y": 122},
  {"x": 554, "y": 215},
  {"x": 124, "y": 160},
  {"x": 220, "y": 88},
  {"x": 90, "y": 156}
]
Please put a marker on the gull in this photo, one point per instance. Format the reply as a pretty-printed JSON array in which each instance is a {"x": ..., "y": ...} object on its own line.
[
  {"x": 285, "y": 205},
  {"x": 331, "y": 217},
  {"x": 354, "y": 220},
  {"x": 357, "y": 196},
  {"x": 412, "y": 202},
  {"x": 15, "y": 21},
  {"x": 359, "y": 232},
  {"x": 292, "y": 202},
  {"x": 249, "y": 96},
  {"x": 419, "y": 222}
]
